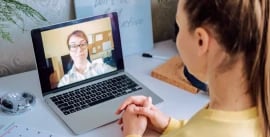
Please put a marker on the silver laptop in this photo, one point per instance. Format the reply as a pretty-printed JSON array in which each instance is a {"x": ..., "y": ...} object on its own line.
[{"x": 86, "y": 99}]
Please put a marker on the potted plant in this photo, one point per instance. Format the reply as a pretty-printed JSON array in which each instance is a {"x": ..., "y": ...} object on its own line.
[{"x": 12, "y": 11}]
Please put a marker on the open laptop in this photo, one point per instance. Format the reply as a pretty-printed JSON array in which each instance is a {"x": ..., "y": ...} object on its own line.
[{"x": 90, "y": 102}]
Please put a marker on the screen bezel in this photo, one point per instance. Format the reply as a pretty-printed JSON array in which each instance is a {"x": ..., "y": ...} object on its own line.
[{"x": 40, "y": 54}]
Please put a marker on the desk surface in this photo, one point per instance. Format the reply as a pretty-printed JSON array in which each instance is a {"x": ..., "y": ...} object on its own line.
[{"x": 177, "y": 103}]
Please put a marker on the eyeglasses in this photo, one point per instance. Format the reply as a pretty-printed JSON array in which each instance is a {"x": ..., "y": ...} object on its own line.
[{"x": 76, "y": 47}]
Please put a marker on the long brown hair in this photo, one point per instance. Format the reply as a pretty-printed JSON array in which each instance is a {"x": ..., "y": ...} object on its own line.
[{"x": 241, "y": 26}]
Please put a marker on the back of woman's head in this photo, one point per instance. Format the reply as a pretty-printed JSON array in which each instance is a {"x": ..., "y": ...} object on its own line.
[{"x": 241, "y": 27}]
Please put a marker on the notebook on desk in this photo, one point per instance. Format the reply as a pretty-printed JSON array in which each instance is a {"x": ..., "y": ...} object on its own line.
[{"x": 87, "y": 99}]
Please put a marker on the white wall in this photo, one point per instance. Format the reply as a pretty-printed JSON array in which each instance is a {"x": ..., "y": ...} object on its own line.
[{"x": 18, "y": 56}]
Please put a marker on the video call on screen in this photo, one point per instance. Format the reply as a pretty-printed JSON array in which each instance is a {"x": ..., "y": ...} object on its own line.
[{"x": 61, "y": 56}]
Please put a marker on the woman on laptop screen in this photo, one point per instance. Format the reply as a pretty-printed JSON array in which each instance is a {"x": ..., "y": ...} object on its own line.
[{"x": 82, "y": 68}]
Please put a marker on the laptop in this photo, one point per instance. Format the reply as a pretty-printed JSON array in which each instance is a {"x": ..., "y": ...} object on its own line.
[{"x": 87, "y": 102}]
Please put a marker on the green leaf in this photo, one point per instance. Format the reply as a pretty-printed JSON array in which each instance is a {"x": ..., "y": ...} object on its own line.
[
  {"x": 12, "y": 11},
  {"x": 5, "y": 35}
]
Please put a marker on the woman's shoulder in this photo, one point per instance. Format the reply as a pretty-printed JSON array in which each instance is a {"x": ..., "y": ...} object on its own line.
[
  {"x": 211, "y": 123},
  {"x": 98, "y": 61}
]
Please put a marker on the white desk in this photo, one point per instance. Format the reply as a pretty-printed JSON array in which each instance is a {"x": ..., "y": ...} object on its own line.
[{"x": 177, "y": 103}]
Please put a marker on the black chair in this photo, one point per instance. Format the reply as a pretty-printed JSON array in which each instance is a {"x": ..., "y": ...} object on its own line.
[
  {"x": 110, "y": 61},
  {"x": 67, "y": 63},
  {"x": 46, "y": 73}
]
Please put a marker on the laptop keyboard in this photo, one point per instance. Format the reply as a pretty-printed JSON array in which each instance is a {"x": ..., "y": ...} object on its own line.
[{"x": 90, "y": 95}]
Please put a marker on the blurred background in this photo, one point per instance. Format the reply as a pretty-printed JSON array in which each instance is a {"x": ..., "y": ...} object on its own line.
[{"x": 17, "y": 56}]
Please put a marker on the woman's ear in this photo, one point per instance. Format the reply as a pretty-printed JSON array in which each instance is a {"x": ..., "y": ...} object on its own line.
[{"x": 202, "y": 38}]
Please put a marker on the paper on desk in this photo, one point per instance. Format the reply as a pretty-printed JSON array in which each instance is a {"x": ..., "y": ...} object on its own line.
[
  {"x": 11, "y": 129},
  {"x": 5, "y": 126}
]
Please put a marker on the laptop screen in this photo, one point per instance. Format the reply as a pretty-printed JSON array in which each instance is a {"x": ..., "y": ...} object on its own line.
[{"x": 78, "y": 51}]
